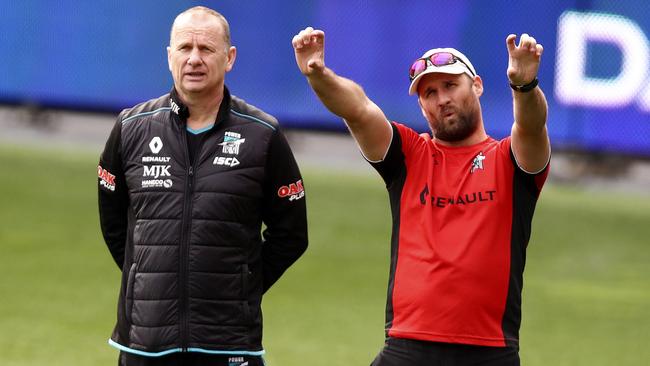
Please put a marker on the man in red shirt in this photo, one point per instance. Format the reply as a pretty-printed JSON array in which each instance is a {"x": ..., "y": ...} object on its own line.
[{"x": 462, "y": 202}]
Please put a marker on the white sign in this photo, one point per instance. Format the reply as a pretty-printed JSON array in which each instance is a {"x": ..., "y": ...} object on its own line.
[{"x": 629, "y": 86}]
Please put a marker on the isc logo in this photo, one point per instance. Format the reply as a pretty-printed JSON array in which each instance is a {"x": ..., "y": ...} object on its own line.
[{"x": 222, "y": 160}]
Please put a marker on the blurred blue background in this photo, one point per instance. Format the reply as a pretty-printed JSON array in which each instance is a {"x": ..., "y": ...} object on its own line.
[{"x": 109, "y": 55}]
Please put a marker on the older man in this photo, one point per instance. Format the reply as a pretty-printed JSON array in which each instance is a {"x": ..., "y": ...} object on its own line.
[{"x": 185, "y": 183}]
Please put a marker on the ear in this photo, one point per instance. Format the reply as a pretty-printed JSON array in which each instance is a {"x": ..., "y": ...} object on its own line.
[
  {"x": 169, "y": 58},
  {"x": 232, "y": 55},
  {"x": 477, "y": 86}
]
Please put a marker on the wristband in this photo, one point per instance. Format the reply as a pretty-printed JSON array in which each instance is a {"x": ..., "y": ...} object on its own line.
[{"x": 525, "y": 88}]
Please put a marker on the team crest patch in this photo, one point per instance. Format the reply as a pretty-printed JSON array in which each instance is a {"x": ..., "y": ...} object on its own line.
[
  {"x": 231, "y": 143},
  {"x": 477, "y": 163}
]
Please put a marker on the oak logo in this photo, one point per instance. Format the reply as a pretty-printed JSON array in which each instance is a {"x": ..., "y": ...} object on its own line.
[
  {"x": 106, "y": 179},
  {"x": 294, "y": 191}
]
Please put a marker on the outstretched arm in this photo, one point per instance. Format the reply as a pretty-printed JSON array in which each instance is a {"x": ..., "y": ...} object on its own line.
[
  {"x": 530, "y": 142},
  {"x": 343, "y": 97}
]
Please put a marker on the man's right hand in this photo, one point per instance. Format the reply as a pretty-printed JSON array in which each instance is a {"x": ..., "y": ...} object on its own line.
[
  {"x": 343, "y": 97},
  {"x": 309, "y": 47}
]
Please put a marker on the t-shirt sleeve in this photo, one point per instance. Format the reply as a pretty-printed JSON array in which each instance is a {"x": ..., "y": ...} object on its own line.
[
  {"x": 400, "y": 147},
  {"x": 533, "y": 181}
]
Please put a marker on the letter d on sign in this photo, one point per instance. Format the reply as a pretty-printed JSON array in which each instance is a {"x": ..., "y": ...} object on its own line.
[{"x": 572, "y": 86}]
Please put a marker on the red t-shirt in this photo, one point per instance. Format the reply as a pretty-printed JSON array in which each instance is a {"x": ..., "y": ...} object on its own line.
[{"x": 461, "y": 224}]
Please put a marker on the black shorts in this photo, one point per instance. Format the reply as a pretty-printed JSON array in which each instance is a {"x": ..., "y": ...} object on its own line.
[
  {"x": 189, "y": 359},
  {"x": 403, "y": 352}
]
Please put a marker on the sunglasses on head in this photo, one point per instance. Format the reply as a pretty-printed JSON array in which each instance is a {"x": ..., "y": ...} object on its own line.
[{"x": 437, "y": 59}]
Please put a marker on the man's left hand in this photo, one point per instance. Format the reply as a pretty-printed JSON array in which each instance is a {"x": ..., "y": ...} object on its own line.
[{"x": 523, "y": 59}]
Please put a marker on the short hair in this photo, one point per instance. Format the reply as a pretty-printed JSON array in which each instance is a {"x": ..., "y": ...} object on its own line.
[{"x": 204, "y": 9}]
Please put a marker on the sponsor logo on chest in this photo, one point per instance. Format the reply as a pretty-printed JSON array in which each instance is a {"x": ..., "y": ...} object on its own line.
[
  {"x": 477, "y": 163},
  {"x": 232, "y": 142},
  {"x": 156, "y": 167},
  {"x": 460, "y": 198},
  {"x": 226, "y": 161},
  {"x": 156, "y": 171}
]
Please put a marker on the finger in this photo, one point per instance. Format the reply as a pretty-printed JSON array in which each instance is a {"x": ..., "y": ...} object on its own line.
[
  {"x": 533, "y": 44},
  {"x": 510, "y": 42},
  {"x": 313, "y": 37},
  {"x": 539, "y": 49},
  {"x": 302, "y": 33},
  {"x": 317, "y": 36},
  {"x": 524, "y": 40},
  {"x": 306, "y": 35},
  {"x": 295, "y": 42}
]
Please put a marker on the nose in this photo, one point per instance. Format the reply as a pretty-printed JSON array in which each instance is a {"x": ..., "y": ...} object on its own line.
[
  {"x": 443, "y": 98},
  {"x": 195, "y": 58}
]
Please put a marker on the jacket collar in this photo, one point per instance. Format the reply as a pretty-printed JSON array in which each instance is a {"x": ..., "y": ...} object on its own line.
[{"x": 180, "y": 111}]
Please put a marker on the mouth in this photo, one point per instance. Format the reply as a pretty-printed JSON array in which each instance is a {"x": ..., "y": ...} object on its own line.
[
  {"x": 448, "y": 113},
  {"x": 194, "y": 75}
]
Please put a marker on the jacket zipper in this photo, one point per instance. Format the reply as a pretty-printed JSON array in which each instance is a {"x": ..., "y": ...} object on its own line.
[{"x": 185, "y": 248}]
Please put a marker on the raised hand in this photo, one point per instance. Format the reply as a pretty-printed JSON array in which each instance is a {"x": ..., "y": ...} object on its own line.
[
  {"x": 523, "y": 59},
  {"x": 309, "y": 47}
]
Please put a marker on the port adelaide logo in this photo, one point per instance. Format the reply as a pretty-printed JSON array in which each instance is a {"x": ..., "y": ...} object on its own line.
[
  {"x": 232, "y": 142},
  {"x": 155, "y": 167}
]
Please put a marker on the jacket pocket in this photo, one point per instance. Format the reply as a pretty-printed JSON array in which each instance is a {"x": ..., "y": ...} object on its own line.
[{"x": 129, "y": 293}]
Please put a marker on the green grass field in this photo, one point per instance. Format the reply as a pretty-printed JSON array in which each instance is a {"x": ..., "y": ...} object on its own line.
[{"x": 586, "y": 295}]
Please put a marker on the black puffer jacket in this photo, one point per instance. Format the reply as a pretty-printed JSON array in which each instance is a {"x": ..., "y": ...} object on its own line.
[{"x": 187, "y": 234}]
